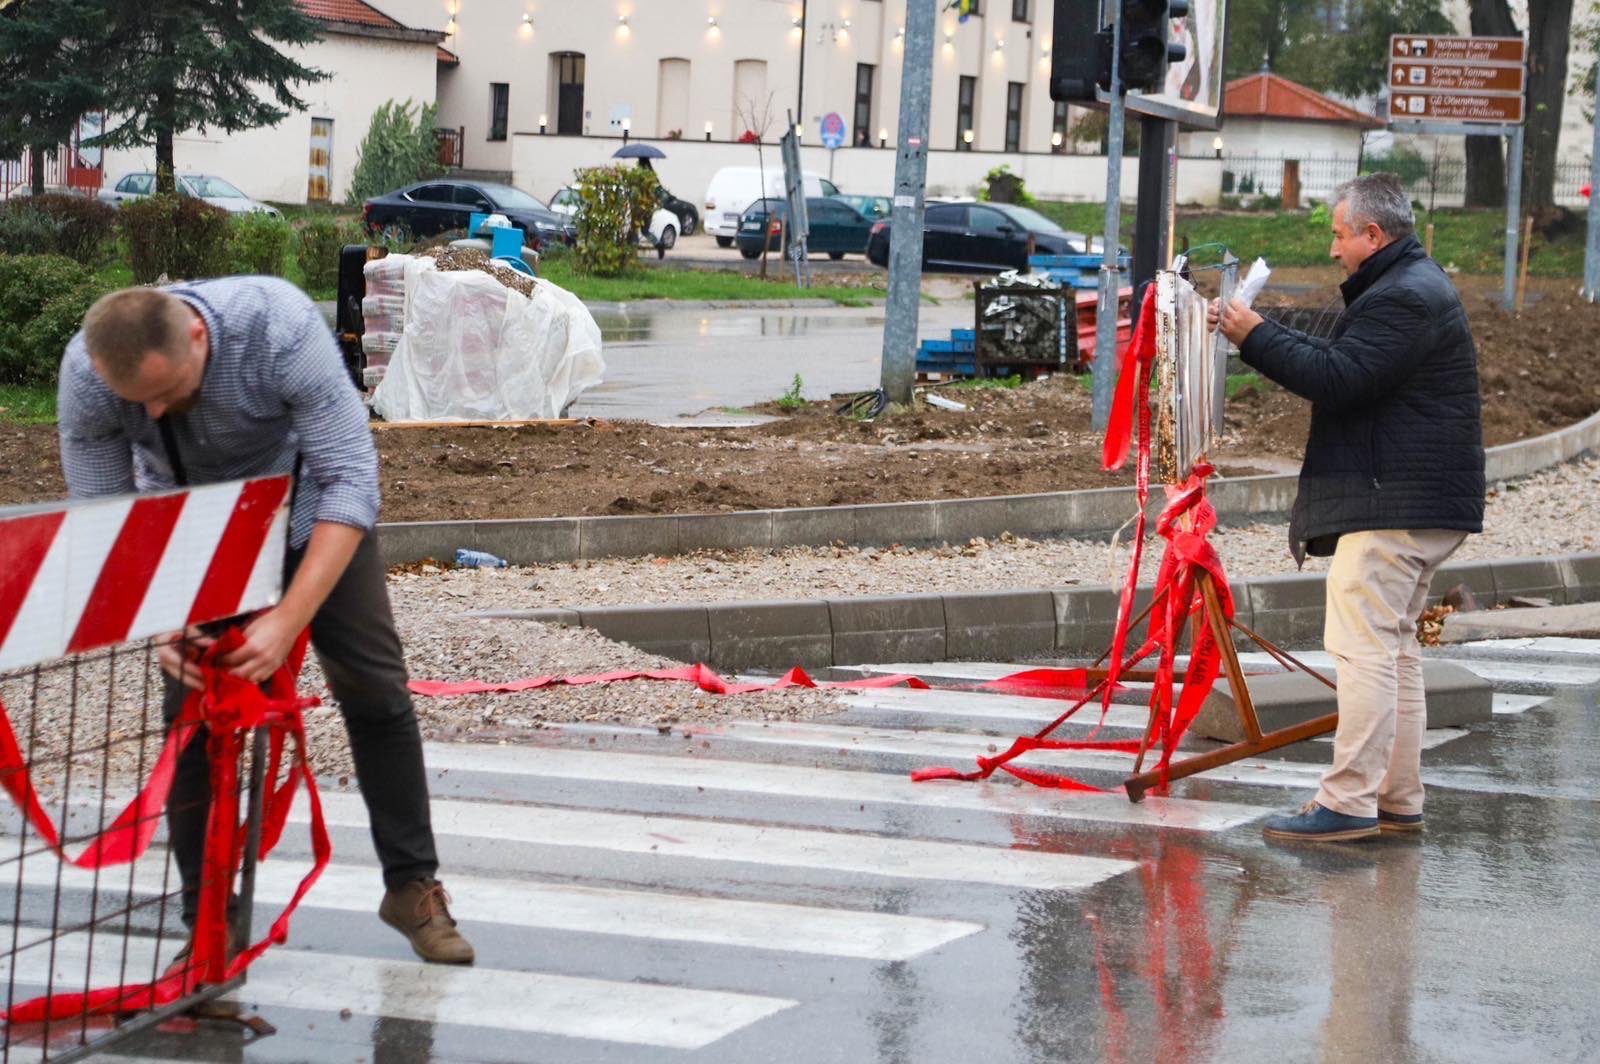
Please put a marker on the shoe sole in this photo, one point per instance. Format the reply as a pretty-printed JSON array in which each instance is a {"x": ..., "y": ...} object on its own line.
[
  {"x": 413, "y": 944},
  {"x": 1386, "y": 825},
  {"x": 1322, "y": 836}
]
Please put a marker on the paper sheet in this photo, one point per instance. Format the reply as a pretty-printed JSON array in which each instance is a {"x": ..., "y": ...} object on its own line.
[{"x": 1253, "y": 282}]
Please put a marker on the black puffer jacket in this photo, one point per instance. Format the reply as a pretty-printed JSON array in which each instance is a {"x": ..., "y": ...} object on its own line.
[{"x": 1396, "y": 423}]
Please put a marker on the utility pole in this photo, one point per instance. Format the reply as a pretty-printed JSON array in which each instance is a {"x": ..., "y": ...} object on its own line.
[
  {"x": 899, "y": 372},
  {"x": 1105, "y": 320},
  {"x": 800, "y": 96},
  {"x": 1591, "y": 252}
]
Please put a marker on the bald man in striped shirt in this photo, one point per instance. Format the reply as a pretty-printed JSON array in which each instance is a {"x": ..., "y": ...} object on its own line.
[{"x": 239, "y": 377}]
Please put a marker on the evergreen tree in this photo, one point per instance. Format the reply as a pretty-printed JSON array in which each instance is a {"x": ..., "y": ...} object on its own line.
[
  {"x": 48, "y": 76},
  {"x": 199, "y": 64}
]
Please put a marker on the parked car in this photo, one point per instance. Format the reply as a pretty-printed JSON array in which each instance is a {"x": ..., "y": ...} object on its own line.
[
  {"x": 664, "y": 225},
  {"x": 734, "y": 188},
  {"x": 836, "y": 227},
  {"x": 986, "y": 237},
  {"x": 873, "y": 208},
  {"x": 214, "y": 190},
  {"x": 430, "y": 207},
  {"x": 683, "y": 210}
]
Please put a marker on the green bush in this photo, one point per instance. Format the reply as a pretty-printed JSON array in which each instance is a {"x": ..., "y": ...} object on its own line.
[
  {"x": 42, "y": 302},
  {"x": 84, "y": 224},
  {"x": 179, "y": 236},
  {"x": 316, "y": 249},
  {"x": 1404, "y": 162},
  {"x": 399, "y": 148},
  {"x": 24, "y": 231},
  {"x": 258, "y": 243},
  {"x": 615, "y": 205},
  {"x": 1000, "y": 185}
]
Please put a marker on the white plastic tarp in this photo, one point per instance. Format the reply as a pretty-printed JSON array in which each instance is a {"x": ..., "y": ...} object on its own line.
[{"x": 475, "y": 350}]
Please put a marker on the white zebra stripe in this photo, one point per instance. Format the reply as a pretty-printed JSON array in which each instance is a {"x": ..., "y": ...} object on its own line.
[{"x": 646, "y": 1014}]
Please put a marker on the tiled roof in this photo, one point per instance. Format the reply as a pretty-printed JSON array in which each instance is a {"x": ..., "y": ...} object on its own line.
[
  {"x": 1266, "y": 95},
  {"x": 353, "y": 12},
  {"x": 446, "y": 56}
]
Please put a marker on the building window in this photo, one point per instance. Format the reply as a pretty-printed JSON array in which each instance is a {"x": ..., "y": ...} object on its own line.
[
  {"x": 1019, "y": 11},
  {"x": 1014, "y": 115},
  {"x": 499, "y": 109},
  {"x": 864, "y": 73},
  {"x": 1060, "y": 119},
  {"x": 964, "y": 97}
]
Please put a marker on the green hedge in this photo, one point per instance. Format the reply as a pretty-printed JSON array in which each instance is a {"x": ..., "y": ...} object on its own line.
[
  {"x": 258, "y": 243},
  {"x": 177, "y": 236},
  {"x": 57, "y": 223},
  {"x": 43, "y": 299}
]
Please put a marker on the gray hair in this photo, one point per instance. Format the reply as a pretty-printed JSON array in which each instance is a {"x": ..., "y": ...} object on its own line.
[{"x": 1378, "y": 199}]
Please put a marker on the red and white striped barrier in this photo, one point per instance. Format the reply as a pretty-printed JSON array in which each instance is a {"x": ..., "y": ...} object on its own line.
[{"x": 79, "y": 575}]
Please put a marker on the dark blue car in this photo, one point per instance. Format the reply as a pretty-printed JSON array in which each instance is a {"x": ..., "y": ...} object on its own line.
[
  {"x": 836, "y": 228},
  {"x": 430, "y": 207}
]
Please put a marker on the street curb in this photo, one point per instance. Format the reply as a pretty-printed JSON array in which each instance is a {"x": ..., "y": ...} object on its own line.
[
  {"x": 1060, "y": 513},
  {"x": 1003, "y": 625}
]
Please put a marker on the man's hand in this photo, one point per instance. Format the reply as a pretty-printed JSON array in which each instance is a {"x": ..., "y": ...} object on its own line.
[
  {"x": 267, "y": 642},
  {"x": 1236, "y": 319},
  {"x": 179, "y": 656}
]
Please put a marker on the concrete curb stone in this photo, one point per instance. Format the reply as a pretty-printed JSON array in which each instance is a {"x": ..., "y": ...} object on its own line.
[
  {"x": 888, "y": 628},
  {"x": 999, "y": 625},
  {"x": 747, "y": 635},
  {"x": 1530, "y": 577},
  {"x": 679, "y": 632}
]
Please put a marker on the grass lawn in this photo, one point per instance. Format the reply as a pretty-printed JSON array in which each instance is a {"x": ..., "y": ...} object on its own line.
[
  {"x": 1471, "y": 240},
  {"x": 28, "y": 404},
  {"x": 646, "y": 283}
]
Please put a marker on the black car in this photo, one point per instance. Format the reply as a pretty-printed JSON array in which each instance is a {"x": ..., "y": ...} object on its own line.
[
  {"x": 430, "y": 207},
  {"x": 688, "y": 217},
  {"x": 984, "y": 237}
]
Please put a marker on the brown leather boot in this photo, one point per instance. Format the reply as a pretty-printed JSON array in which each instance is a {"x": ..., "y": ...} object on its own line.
[{"x": 420, "y": 910}]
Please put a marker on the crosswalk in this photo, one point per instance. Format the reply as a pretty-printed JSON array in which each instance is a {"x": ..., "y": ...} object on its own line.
[{"x": 634, "y": 896}]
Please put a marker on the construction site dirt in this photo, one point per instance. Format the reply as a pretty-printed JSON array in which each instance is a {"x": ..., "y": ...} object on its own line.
[{"x": 1539, "y": 371}]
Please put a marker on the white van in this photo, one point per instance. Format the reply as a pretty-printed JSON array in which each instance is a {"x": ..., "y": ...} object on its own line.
[{"x": 734, "y": 188}]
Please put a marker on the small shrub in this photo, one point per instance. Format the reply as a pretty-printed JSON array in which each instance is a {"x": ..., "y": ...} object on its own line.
[
  {"x": 316, "y": 250},
  {"x": 42, "y": 302},
  {"x": 1000, "y": 185},
  {"x": 179, "y": 236},
  {"x": 84, "y": 224},
  {"x": 1320, "y": 218},
  {"x": 258, "y": 243},
  {"x": 24, "y": 231},
  {"x": 616, "y": 204}
]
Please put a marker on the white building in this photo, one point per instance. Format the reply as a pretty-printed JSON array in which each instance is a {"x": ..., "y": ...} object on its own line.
[
  {"x": 311, "y": 154},
  {"x": 546, "y": 86}
]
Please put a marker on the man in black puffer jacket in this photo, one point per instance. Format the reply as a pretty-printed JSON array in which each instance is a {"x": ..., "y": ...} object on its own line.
[{"x": 1392, "y": 483}]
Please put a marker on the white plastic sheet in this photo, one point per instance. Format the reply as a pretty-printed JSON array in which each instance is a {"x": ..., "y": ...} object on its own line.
[{"x": 475, "y": 350}]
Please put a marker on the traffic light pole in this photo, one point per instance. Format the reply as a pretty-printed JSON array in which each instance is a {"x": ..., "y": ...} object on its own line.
[
  {"x": 1150, "y": 241},
  {"x": 1104, "y": 383},
  {"x": 899, "y": 367}
]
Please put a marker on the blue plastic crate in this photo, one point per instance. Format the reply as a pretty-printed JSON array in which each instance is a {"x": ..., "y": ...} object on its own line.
[{"x": 959, "y": 335}]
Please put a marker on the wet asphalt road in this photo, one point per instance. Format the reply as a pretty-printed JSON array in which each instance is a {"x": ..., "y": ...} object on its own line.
[
  {"x": 666, "y": 362},
  {"x": 780, "y": 892}
]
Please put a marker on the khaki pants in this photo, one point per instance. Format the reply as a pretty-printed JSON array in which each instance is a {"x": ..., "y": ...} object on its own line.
[{"x": 1377, "y": 587}]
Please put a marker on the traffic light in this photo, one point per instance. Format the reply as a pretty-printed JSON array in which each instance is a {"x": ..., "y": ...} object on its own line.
[
  {"x": 1079, "y": 60},
  {"x": 1080, "y": 47},
  {"x": 1145, "y": 48}
]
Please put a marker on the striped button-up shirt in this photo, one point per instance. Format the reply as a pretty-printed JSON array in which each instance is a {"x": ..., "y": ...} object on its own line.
[{"x": 275, "y": 388}]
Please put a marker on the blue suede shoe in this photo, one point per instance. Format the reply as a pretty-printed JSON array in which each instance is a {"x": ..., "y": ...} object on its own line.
[
  {"x": 1399, "y": 821},
  {"x": 1317, "y": 824}
]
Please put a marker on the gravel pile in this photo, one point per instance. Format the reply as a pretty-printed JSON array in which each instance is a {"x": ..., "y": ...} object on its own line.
[{"x": 1548, "y": 513}]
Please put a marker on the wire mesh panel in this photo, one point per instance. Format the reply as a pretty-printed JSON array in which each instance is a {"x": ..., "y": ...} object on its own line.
[
  {"x": 90, "y": 762},
  {"x": 1022, "y": 326}
]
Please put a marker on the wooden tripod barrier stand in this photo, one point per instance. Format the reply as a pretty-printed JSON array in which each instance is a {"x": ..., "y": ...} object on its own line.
[{"x": 1256, "y": 741}]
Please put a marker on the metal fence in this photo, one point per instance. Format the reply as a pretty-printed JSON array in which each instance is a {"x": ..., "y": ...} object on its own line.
[
  {"x": 1442, "y": 182},
  {"x": 89, "y": 730}
]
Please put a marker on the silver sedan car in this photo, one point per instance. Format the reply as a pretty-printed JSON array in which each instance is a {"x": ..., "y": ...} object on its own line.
[{"x": 214, "y": 190}]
